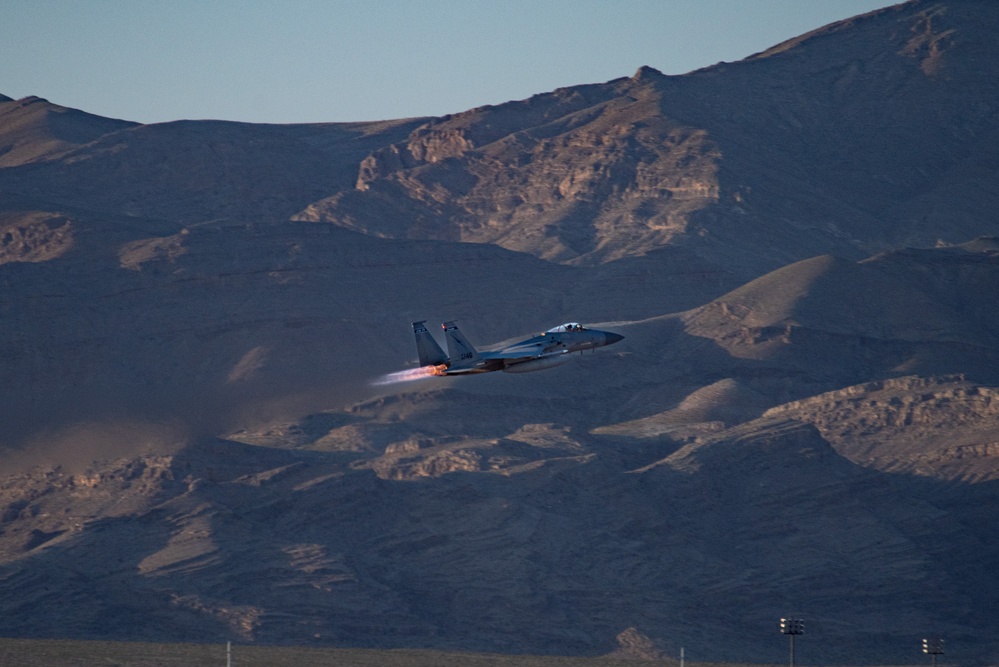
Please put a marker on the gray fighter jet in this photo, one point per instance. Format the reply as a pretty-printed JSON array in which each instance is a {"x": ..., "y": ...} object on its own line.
[{"x": 545, "y": 350}]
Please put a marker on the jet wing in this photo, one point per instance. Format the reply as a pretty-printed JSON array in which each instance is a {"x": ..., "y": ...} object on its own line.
[{"x": 530, "y": 351}]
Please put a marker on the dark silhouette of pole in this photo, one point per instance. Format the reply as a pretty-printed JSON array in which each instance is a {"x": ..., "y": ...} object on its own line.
[{"x": 792, "y": 627}]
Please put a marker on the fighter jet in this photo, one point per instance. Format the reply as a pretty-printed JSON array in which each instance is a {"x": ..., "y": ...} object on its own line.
[{"x": 545, "y": 350}]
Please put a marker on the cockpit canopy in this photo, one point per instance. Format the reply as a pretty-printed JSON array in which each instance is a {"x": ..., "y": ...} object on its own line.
[{"x": 568, "y": 326}]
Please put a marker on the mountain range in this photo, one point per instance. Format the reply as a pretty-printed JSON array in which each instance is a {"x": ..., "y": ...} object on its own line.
[{"x": 801, "y": 249}]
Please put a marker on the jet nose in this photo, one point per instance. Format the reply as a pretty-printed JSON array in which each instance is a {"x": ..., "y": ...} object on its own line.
[{"x": 611, "y": 338}]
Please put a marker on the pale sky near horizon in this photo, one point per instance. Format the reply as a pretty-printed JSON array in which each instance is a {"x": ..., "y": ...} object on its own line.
[{"x": 287, "y": 61}]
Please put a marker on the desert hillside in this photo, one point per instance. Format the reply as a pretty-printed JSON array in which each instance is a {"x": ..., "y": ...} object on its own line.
[{"x": 801, "y": 250}]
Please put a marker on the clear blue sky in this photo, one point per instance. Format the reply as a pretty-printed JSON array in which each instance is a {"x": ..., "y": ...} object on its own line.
[{"x": 286, "y": 61}]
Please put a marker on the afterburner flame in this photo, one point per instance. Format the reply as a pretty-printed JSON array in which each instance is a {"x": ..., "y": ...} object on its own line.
[{"x": 410, "y": 375}]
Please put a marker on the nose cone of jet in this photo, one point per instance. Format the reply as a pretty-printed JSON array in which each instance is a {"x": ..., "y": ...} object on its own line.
[{"x": 611, "y": 338}]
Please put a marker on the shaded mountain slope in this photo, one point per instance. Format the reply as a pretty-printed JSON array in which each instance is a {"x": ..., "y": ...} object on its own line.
[
  {"x": 206, "y": 325},
  {"x": 194, "y": 171},
  {"x": 209, "y": 315},
  {"x": 496, "y": 514},
  {"x": 906, "y": 312},
  {"x": 800, "y": 419},
  {"x": 846, "y": 141},
  {"x": 870, "y": 134},
  {"x": 726, "y": 534}
]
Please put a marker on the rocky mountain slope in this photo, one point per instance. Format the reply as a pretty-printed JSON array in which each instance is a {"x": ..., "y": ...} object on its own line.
[
  {"x": 842, "y": 141},
  {"x": 800, "y": 249}
]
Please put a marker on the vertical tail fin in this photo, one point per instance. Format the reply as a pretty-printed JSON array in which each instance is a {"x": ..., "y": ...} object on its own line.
[
  {"x": 430, "y": 352},
  {"x": 458, "y": 348}
]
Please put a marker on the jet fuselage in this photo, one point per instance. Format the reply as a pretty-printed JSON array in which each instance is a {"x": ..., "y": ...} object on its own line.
[{"x": 544, "y": 350}]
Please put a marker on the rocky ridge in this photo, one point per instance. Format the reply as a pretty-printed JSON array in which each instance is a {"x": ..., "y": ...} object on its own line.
[{"x": 801, "y": 419}]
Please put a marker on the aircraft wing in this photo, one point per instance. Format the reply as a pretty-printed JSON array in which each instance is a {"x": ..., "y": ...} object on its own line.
[{"x": 531, "y": 351}]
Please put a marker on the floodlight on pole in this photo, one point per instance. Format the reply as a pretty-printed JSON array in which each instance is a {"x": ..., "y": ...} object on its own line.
[
  {"x": 792, "y": 627},
  {"x": 933, "y": 647}
]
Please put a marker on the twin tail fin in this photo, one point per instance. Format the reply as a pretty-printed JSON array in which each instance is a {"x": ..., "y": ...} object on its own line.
[
  {"x": 458, "y": 348},
  {"x": 430, "y": 352}
]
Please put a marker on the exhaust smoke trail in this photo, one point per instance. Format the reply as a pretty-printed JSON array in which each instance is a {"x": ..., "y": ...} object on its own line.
[{"x": 407, "y": 375}]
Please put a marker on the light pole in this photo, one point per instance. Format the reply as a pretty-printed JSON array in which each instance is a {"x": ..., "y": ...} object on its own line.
[
  {"x": 933, "y": 647},
  {"x": 791, "y": 627}
]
